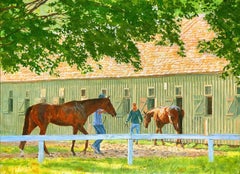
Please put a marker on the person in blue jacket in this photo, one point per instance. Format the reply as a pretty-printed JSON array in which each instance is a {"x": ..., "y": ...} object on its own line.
[
  {"x": 99, "y": 127},
  {"x": 136, "y": 119}
]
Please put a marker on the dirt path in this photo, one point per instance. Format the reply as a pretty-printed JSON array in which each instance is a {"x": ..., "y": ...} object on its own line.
[{"x": 114, "y": 150}]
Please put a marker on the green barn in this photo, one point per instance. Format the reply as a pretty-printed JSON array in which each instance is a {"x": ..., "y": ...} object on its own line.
[{"x": 211, "y": 104}]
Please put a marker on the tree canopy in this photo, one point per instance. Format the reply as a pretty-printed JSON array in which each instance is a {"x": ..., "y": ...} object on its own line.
[{"x": 40, "y": 34}]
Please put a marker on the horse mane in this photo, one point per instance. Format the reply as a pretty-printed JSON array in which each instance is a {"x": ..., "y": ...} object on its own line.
[
  {"x": 83, "y": 101},
  {"x": 150, "y": 112}
]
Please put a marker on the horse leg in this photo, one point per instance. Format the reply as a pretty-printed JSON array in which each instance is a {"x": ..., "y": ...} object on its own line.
[
  {"x": 22, "y": 144},
  {"x": 83, "y": 130},
  {"x": 160, "y": 129},
  {"x": 155, "y": 140},
  {"x": 75, "y": 130},
  {"x": 43, "y": 132},
  {"x": 178, "y": 132}
]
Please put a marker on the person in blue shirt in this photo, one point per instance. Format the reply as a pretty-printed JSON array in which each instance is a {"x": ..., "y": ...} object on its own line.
[
  {"x": 136, "y": 118},
  {"x": 99, "y": 127}
]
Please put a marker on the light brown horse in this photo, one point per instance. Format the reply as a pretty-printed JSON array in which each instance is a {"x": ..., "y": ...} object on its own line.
[
  {"x": 164, "y": 115},
  {"x": 73, "y": 113}
]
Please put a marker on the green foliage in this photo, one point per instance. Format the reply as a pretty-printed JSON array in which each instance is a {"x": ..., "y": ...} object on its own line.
[
  {"x": 41, "y": 34},
  {"x": 224, "y": 21}
]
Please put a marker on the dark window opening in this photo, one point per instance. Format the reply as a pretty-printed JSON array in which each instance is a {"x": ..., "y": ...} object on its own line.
[
  {"x": 209, "y": 105},
  {"x": 10, "y": 105},
  {"x": 26, "y": 103},
  {"x": 61, "y": 100},
  {"x": 178, "y": 91},
  {"x": 238, "y": 90},
  {"x": 150, "y": 103},
  {"x": 151, "y": 92},
  {"x": 10, "y": 101},
  {"x": 208, "y": 90},
  {"x": 179, "y": 101},
  {"x": 126, "y": 93},
  {"x": 83, "y": 92}
]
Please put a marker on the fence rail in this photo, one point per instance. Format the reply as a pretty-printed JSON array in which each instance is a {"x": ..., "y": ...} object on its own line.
[{"x": 41, "y": 138}]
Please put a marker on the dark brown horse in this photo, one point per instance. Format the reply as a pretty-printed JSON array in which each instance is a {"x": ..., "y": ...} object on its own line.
[
  {"x": 165, "y": 115},
  {"x": 74, "y": 113}
]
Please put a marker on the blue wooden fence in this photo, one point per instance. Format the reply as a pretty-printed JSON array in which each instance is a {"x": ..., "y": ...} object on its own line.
[{"x": 129, "y": 137}]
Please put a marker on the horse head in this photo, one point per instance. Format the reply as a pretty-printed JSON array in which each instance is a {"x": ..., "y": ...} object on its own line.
[
  {"x": 147, "y": 118},
  {"x": 108, "y": 107}
]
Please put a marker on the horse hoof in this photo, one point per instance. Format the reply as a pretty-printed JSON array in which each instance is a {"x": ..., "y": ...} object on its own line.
[
  {"x": 50, "y": 155},
  {"x": 21, "y": 153}
]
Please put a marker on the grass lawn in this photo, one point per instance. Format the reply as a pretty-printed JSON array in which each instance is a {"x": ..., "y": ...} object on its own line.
[{"x": 229, "y": 163}]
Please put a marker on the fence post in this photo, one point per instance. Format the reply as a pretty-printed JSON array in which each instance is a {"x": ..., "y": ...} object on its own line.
[
  {"x": 40, "y": 151},
  {"x": 130, "y": 150},
  {"x": 210, "y": 150}
]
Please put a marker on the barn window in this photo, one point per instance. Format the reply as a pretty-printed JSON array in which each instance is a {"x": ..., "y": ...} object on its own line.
[
  {"x": 27, "y": 100},
  {"x": 126, "y": 101},
  {"x": 238, "y": 90},
  {"x": 178, "y": 91},
  {"x": 151, "y": 92},
  {"x": 61, "y": 95},
  {"x": 208, "y": 90},
  {"x": 151, "y": 99},
  {"x": 83, "y": 92},
  {"x": 43, "y": 95},
  {"x": 208, "y": 94},
  {"x": 126, "y": 92},
  {"x": 178, "y": 94},
  {"x": 10, "y": 101}
]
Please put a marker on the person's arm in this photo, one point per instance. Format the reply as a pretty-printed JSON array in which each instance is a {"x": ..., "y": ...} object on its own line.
[
  {"x": 100, "y": 111},
  {"x": 140, "y": 115},
  {"x": 129, "y": 117}
]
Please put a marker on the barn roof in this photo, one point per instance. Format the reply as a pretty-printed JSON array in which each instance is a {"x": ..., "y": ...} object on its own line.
[{"x": 156, "y": 60}]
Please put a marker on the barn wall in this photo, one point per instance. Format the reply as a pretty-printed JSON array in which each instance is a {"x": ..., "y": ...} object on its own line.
[{"x": 225, "y": 117}]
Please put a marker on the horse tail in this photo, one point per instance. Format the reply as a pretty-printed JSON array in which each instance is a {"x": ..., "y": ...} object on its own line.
[
  {"x": 180, "y": 119},
  {"x": 26, "y": 121}
]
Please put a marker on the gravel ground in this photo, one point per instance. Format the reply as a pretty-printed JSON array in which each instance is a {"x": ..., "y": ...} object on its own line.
[{"x": 112, "y": 150}]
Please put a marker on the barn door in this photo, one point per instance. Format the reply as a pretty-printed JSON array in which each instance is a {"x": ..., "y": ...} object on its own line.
[
  {"x": 199, "y": 106},
  {"x": 143, "y": 104},
  {"x": 21, "y": 106},
  {"x": 5, "y": 106},
  {"x": 122, "y": 107},
  {"x": 126, "y": 106},
  {"x": 233, "y": 106}
]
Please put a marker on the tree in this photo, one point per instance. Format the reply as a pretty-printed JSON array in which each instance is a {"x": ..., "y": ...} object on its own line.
[
  {"x": 224, "y": 20},
  {"x": 39, "y": 34}
]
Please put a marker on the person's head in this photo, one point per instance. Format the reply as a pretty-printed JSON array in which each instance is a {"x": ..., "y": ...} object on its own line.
[
  {"x": 134, "y": 106},
  {"x": 101, "y": 95}
]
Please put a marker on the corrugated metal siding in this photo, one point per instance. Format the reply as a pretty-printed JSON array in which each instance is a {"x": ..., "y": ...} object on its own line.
[{"x": 192, "y": 87}]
